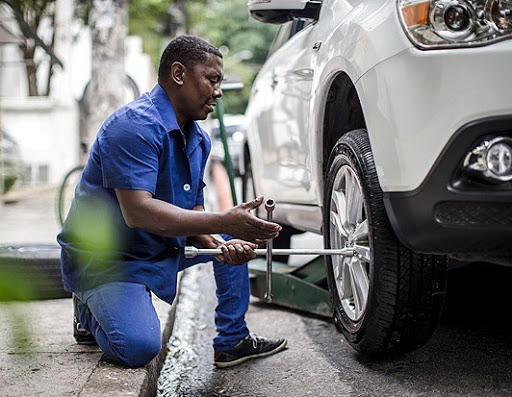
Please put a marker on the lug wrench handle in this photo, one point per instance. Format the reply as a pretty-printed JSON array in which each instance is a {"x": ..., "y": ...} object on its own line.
[{"x": 269, "y": 207}]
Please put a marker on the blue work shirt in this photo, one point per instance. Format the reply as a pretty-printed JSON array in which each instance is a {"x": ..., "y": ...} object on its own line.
[{"x": 139, "y": 147}]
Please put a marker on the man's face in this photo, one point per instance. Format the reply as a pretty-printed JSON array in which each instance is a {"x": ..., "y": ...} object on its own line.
[{"x": 201, "y": 88}]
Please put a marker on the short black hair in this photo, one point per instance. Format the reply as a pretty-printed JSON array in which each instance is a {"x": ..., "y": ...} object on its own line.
[{"x": 189, "y": 50}]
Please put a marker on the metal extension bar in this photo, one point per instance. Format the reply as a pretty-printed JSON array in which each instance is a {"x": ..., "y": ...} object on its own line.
[{"x": 192, "y": 252}]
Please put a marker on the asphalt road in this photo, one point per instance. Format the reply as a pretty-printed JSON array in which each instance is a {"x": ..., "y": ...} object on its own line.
[{"x": 470, "y": 354}]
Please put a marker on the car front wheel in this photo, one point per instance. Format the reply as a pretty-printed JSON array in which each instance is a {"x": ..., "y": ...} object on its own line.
[{"x": 386, "y": 298}]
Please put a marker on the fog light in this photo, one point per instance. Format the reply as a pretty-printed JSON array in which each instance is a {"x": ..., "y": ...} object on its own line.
[
  {"x": 499, "y": 159},
  {"x": 491, "y": 160}
]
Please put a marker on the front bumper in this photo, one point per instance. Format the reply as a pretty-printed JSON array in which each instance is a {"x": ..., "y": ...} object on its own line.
[{"x": 443, "y": 216}]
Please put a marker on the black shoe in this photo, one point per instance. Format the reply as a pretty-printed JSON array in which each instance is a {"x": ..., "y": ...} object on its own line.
[
  {"x": 251, "y": 346},
  {"x": 82, "y": 336}
]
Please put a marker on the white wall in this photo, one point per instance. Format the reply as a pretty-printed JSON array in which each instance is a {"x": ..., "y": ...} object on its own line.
[
  {"x": 138, "y": 65},
  {"x": 46, "y": 131}
]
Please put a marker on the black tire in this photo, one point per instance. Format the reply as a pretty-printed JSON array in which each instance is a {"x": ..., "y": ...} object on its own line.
[
  {"x": 249, "y": 193},
  {"x": 398, "y": 294},
  {"x": 66, "y": 192},
  {"x": 30, "y": 272}
]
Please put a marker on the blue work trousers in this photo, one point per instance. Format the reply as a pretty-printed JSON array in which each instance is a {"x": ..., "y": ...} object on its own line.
[{"x": 126, "y": 326}]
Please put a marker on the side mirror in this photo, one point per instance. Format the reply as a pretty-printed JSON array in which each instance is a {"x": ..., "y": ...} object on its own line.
[{"x": 281, "y": 11}]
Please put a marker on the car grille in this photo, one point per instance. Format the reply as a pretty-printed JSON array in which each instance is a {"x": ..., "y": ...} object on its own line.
[{"x": 473, "y": 214}]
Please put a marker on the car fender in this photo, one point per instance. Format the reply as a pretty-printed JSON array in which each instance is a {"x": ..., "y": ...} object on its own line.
[{"x": 375, "y": 35}]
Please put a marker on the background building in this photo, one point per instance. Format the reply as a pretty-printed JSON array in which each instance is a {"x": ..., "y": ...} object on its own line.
[{"x": 48, "y": 128}]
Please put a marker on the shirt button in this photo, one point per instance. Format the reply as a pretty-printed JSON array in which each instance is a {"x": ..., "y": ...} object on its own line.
[{"x": 186, "y": 187}]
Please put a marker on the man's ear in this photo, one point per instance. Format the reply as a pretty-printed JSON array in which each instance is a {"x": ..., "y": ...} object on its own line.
[{"x": 177, "y": 72}]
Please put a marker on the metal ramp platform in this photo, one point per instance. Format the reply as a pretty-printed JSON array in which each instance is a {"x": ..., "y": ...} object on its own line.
[{"x": 302, "y": 288}]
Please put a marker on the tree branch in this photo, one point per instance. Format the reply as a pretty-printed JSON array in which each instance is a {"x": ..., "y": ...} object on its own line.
[{"x": 28, "y": 32}]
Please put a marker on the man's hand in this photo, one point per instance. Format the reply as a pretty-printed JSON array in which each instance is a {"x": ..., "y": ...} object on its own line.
[
  {"x": 236, "y": 252},
  {"x": 244, "y": 225}
]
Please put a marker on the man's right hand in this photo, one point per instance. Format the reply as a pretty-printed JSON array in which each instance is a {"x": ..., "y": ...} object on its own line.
[
  {"x": 141, "y": 210},
  {"x": 244, "y": 225}
]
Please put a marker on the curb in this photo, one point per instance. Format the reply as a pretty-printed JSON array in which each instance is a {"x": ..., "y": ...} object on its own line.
[{"x": 150, "y": 386}]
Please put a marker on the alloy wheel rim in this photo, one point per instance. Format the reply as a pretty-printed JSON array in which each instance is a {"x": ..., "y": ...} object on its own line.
[{"x": 349, "y": 229}]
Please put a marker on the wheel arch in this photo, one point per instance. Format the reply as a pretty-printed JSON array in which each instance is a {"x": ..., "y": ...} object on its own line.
[{"x": 343, "y": 113}]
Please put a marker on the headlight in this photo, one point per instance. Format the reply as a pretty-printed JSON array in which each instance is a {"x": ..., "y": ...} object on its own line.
[{"x": 456, "y": 23}]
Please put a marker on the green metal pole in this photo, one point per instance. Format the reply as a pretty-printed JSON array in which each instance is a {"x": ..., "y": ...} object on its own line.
[{"x": 227, "y": 157}]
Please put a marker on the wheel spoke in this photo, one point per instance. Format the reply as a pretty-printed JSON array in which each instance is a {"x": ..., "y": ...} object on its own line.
[
  {"x": 338, "y": 269},
  {"x": 360, "y": 286},
  {"x": 339, "y": 201},
  {"x": 363, "y": 252},
  {"x": 338, "y": 226},
  {"x": 336, "y": 266},
  {"x": 361, "y": 232},
  {"x": 346, "y": 281},
  {"x": 354, "y": 203},
  {"x": 342, "y": 277}
]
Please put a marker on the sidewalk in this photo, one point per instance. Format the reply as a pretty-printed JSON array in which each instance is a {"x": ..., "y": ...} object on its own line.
[{"x": 38, "y": 354}]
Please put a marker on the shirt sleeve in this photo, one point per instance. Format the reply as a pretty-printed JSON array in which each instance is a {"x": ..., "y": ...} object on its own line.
[{"x": 129, "y": 156}]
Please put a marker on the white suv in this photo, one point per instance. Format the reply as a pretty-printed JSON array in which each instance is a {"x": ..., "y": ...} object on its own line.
[{"x": 386, "y": 125}]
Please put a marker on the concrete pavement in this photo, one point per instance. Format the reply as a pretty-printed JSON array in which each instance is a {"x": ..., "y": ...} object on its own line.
[{"x": 38, "y": 354}]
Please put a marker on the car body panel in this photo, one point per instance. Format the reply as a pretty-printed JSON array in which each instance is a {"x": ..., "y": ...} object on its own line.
[
  {"x": 413, "y": 103},
  {"x": 408, "y": 135}
]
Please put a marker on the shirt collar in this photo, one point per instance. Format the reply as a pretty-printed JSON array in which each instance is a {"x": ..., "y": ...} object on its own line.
[
  {"x": 166, "y": 110},
  {"x": 164, "y": 107}
]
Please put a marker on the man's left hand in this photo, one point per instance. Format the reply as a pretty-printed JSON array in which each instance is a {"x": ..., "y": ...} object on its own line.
[{"x": 237, "y": 252}]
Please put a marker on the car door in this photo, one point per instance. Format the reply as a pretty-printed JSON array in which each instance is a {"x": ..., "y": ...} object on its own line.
[{"x": 282, "y": 97}]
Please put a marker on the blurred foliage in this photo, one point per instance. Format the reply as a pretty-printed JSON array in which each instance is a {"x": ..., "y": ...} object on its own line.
[
  {"x": 147, "y": 18},
  {"x": 228, "y": 23},
  {"x": 96, "y": 235},
  {"x": 15, "y": 285},
  {"x": 225, "y": 23},
  {"x": 243, "y": 41}
]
